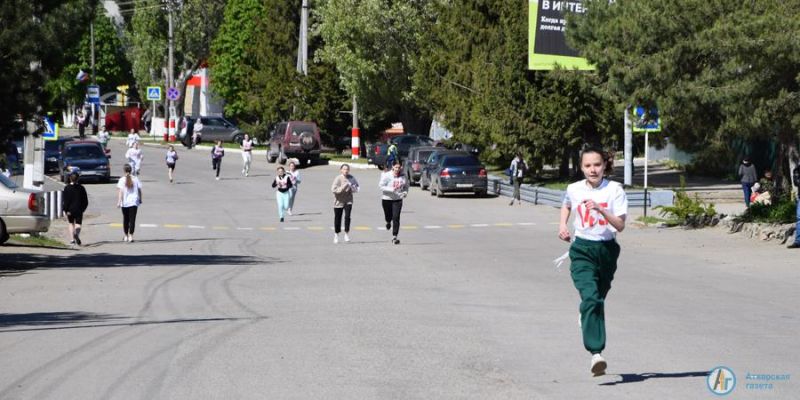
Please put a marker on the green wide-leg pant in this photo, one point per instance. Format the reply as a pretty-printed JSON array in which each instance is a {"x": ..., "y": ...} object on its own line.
[{"x": 593, "y": 264}]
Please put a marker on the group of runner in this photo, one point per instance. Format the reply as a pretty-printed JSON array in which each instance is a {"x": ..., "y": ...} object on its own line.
[{"x": 599, "y": 207}]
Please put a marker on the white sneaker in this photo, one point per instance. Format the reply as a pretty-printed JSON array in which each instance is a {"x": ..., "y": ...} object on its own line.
[
  {"x": 346, "y": 237},
  {"x": 335, "y": 238},
  {"x": 125, "y": 238},
  {"x": 580, "y": 323},
  {"x": 598, "y": 365},
  {"x": 242, "y": 172},
  {"x": 217, "y": 178},
  {"x": 289, "y": 211}
]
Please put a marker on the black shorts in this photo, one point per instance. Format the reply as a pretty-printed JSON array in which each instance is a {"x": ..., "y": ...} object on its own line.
[
  {"x": 171, "y": 165},
  {"x": 73, "y": 218}
]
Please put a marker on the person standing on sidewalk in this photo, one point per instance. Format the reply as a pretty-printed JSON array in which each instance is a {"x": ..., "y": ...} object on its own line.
[
  {"x": 74, "y": 202},
  {"x": 283, "y": 184},
  {"x": 129, "y": 198},
  {"x": 217, "y": 152},
  {"x": 247, "y": 154},
  {"x": 796, "y": 181},
  {"x": 343, "y": 188},
  {"x": 600, "y": 207},
  {"x": 747, "y": 171},
  {"x": 518, "y": 170},
  {"x": 81, "y": 125},
  {"x": 171, "y": 158},
  {"x": 394, "y": 188},
  {"x": 135, "y": 156},
  {"x": 294, "y": 175}
]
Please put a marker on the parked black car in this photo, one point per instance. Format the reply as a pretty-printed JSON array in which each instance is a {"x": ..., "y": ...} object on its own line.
[
  {"x": 52, "y": 153},
  {"x": 459, "y": 173},
  {"x": 414, "y": 163},
  {"x": 89, "y": 157},
  {"x": 211, "y": 129},
  {"x": 432, "y": 163}
]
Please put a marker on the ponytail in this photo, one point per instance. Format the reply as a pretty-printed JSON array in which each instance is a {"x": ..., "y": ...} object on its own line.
[{"x": 128, "y": 180}]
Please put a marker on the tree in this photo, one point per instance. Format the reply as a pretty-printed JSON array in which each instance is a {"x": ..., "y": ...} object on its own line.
[
  {"x": 718, "y": 71},
  {"x": 373, "y": 44},
  {"x": 32, "y": 36},
  {"x": 473, "y": 74},
  {"x": 111, "y": 64}
]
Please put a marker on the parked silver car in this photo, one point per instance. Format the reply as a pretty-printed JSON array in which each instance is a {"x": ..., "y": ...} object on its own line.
[{"x": 21, "y": 211}]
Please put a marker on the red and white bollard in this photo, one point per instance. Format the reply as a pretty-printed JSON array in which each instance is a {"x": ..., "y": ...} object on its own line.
[
  {"x": 172, "y": 129},
  {"x": 166, "y": 130},
  {"x": 355, "y": 144}
]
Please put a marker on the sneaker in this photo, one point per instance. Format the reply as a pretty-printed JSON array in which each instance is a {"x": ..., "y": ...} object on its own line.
[
  {"x": 72, "y": 243},
  {"x": 242, "y": 172},
  {"x": 346, "y": 237},
  {"x": 281, "y": 219},
  {"x": 289, "y": 211},
  {"x": 130, "y": 239},
  {"x": 217, "y": 178},
  {"x": 246, "y": 174},
  {"x": 388, "y": 226},
  {"x": 125, "y": 238},
  {"x": 794, "y": 245},
  {"x": 598, "y": 365},
  {"x": 512, "y": 203},
  {"x": 78, "y": 239},
  {"x": 335, "y": 238},
  {"x": 395, "y": 240}
]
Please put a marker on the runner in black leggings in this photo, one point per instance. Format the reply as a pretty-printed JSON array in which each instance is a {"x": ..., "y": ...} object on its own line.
[{"x": 394, "y": 188}]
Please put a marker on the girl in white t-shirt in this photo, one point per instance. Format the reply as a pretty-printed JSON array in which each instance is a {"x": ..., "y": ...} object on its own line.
[
  {"x": 135, "y": 156},
  {"x": 129, "y": 197},
  {"x": 600, "y": 207}
]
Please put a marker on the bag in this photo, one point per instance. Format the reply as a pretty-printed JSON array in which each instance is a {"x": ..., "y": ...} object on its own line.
[
  {"x": 522, "y": 167},
  {"x": 509, "y": 171}
]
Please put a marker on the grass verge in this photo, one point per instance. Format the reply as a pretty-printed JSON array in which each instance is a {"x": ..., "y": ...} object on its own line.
[{"x": 37, "y": 241}]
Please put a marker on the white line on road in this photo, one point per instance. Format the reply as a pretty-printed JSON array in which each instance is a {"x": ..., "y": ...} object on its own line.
[
  {"x": 526, "y": 223},
  {"x": 291, "y": 228},
  {"x": 479, "y": 225},
  {"x": 244, "y": 229},
  {"x": 432, "y": 227},
  {"x": 148, "y": 225},
  {"x": 195, "y": 227}
]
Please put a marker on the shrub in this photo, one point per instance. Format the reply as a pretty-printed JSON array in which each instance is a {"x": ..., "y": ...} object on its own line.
[
  {"x": 781, "y": 211},
  {"x": 688, "y": 211}
]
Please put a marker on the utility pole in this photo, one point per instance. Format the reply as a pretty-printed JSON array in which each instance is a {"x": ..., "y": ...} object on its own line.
[
  {"x": 170, "y": 75},
  {"x": 91, "y": 35},
  {"x": 302, "y": 48},
  {"x": 95, "y": 107},
  {"x": 355, "y": 140}
]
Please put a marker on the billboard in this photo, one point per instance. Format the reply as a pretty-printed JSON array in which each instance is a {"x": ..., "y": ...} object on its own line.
[{"x": 547, "y": 44}]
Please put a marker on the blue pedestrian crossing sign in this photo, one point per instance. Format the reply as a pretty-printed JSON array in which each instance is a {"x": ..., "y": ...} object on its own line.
[
  {"x": 50, "y": 129},
  {"x": 154, "y": 93},
  {"x": 646, "y": 120}
]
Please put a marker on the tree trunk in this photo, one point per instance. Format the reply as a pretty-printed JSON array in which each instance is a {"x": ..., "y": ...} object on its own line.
[
  {"x": 563, "y": 168},
  {"x": 415, "y": 121}
]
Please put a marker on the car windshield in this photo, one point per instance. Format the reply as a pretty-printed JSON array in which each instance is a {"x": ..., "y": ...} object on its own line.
[
  {"x": 460, "y": 161},
  {"x": 84, "y": 152},
  {"x": 7, "y": 182}
]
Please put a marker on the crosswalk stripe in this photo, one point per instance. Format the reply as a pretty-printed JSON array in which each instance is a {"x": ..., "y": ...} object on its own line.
[{"x": 148, "y": 225}]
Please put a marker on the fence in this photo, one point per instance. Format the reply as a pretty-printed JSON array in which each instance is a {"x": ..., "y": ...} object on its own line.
[
  {"x": 552, "y": 197},
  {"x": 52, "y": 204}
]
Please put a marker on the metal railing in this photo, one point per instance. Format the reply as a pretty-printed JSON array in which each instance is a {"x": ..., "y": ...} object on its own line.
[{"x": 553, "y": 197}]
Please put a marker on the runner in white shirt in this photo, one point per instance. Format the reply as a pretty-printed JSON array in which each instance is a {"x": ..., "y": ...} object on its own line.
[
  {"x": 135, "y": 156},
  {"x": 247, "y": 154},
  {"x": 600, "y": 207},
  {"x": 132, "y": 139},
  {"x": 171, "y": 158}
]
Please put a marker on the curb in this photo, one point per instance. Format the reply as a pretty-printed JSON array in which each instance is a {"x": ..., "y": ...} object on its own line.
[{"x": 353, "y": 165}]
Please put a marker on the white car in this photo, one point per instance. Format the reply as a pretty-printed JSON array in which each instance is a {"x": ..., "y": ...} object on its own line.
[{"x": 21, "y": 211}]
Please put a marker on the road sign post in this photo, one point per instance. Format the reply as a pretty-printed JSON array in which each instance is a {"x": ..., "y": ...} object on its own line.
[{"x": 647, "y": 120}]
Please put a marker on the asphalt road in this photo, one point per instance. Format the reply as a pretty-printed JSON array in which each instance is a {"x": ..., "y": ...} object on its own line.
[{"x": 218, "y": 300}]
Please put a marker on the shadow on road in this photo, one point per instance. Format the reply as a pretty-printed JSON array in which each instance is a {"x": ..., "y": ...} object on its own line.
[
  {"x": 116, "y": 324},
  {"x": 634, "y": 378},
  {"x": 51, "y": 318},
  {"x": 16, "y": 262}
]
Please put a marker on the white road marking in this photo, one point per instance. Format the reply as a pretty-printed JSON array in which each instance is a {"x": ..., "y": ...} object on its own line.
[
  {"x": 479, "y": 225},
  {"x": 148, "y": 225},
  {"x": 244, "y": 229},
  {"x": 432, "y": 227},
  {"x": 195, "y": 227}
]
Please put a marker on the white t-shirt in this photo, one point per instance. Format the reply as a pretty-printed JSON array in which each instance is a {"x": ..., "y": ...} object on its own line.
[
  {"x": 590, "y": 224},
  {"x": 130, "y": 196}
]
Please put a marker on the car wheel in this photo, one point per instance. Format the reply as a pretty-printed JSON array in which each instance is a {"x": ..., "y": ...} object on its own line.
[
  {"x": 481, "y": 193},
  {"x": 270, "y": 158},
  {"x": 282, "y": 159},
  {"x": 3, "y": 232}
]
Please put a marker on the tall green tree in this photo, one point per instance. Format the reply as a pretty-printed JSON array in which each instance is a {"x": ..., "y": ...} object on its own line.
[
  {"x": 373, "y": 44},
  {"x": 111, "y": 65},
  {"x": 33, "y": 34},
  {"x": 719, "y": 71},
  {"x": 473, "y": 73}
]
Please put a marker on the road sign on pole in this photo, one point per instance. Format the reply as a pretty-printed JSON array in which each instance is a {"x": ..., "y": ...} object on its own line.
[
  {"x": 154, "y": 93},
  {"x": 93, "y": 94},
  {"x": 50, "y": 129},
  {"x": 646, "y": 120},
  {"x": 173, "y": 94}
]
